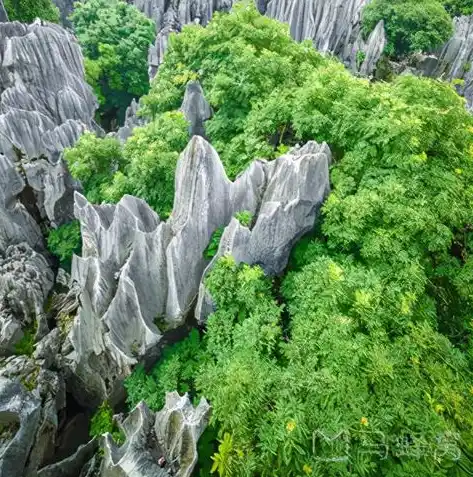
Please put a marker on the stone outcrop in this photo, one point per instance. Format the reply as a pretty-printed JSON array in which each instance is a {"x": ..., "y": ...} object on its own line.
[
  {"x": 157, "y": 445},
  {"x": 178, "y": 428},
  {"x": 17, "y": 225},
  {"x": 45, "y": 105},
  {"x": 296, "y": 186},
  {"x": 3, "y": 13},
  {"x": 25, "y": 282},
  {"x": 333, "y": 26},
  {"x": 455, "y": 59},
  {"x": 132, "y": 120},
  {"x": 139, "y": 277},
  {"x": 30, "y": 398},
  {"x": 66, "y": 7},
  {"x": 196, "y": 108}
]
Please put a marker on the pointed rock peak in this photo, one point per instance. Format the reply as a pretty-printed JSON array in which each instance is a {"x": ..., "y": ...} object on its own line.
[
  {"x": 80, "y": 201},
  {"x": 196, "y": 108}
]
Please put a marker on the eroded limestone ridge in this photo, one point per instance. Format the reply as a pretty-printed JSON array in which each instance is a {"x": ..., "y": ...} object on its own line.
[
  {"x": 139, "y": 277},
  {"x": 45, "y": 105}
]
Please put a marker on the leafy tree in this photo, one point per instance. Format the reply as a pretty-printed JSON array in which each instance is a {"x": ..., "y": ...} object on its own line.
[
  {"x": 457, "y": 8},
  {"x": 93, "y": 161},
  {"x": 27, "y": 11},
  {"x": 151, "y": 156},
  {"x": 410, "y": 25},
  {"x": 115, "y": 38},
  {"x": 144, "y": 167},
  {"x": 239, "y": 59}
]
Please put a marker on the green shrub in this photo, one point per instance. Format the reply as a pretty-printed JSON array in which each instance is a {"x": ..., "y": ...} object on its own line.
[
  {"x": 102, "y": 422},
  {"x": 245, "y": 218},
  {"x": 27, "y": 11},
  {"x": 175, "y": 371},
  {"x": 150, "y": 156},
  {"x": 26, "y": 345},
  {"x": 212, "y": 247},
  {"x": 93, "y": 161},
  {"x": 410, "y": 25},
  {"x": 65, "y": 241},
  {"x": 457, "y": 8}
]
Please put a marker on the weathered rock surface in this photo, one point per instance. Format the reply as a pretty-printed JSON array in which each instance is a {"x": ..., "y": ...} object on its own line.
[
  {"x": 455, "y": 59},
  {"x": 178, "y": 428},
  {"x": 30, "y": 398},
  {"x": 196, "y": 108},
  {"x": 333, "y": 26},
  {"x": 137, "y": 272},
  {"x": 3, "y": 13},
  {"x": 132, "y": 120},
  {"x": 45, "y": 105},
  {"x": 71, "y": 466},
  {"x": 20, "y": 414},
  {"x": 25, "y": 282},
  {"x": 171, "y": 433},
  {"x": 296, "y": 186},
  {"x": 16, "y": 223}
]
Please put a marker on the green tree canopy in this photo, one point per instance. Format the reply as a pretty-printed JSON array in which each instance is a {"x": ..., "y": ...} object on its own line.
[
  {"x": 410, "y": 25},
  {"x": 28, "y": 10},
  {"x": 457, "y": 8},
  {"x": 115, "y": 38}
]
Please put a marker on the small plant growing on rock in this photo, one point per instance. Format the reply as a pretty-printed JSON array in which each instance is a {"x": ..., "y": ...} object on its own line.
[
  {"x": 102, "y": 422},
  {"x": 26, "y": 345},
  {"x": 214, "y": 243},
  {"x": 245, "y": 218}
]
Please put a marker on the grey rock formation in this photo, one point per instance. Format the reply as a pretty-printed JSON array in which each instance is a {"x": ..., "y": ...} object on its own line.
[
  {"x": 455, "y": 59},
  {"x": 196, "y": 108},
  {"x": 178, "y": 428},
  {"x": 332, "y": 25},
  {"x": 295, "y": 187},
  {"x": 171, "y": 433},
  {"x": 66, "y": 7},
  {"x": 16, "y": 223},
  {"x": 20, "y": 413},
  {"x": 132, "y": 120},
  {"x": 3, "y": 13},
  {"x": 73, "y": 465},
  {"x": 30, "y": 398},
  {"x": 25, "y": 282},
  {"x": 45, "y": 105},
  {"x": 137, "y": 272}
]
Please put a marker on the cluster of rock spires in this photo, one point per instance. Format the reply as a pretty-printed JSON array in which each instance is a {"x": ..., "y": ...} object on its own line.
[{"x": 138, "y": 277}]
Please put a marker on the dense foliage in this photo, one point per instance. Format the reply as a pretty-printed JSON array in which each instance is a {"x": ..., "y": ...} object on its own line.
[
  {"x": 27, "y": 11},
  {"x": 65, "y": 241},
  {"x": 144, "y": 167},
  {"x": 115, "y": 38},
  {"x": 102, "y": 422},
  {"x": 360, "y": 363},
  {"x": 457, "y": 8},
  {"x": 410, "y": 25}
]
